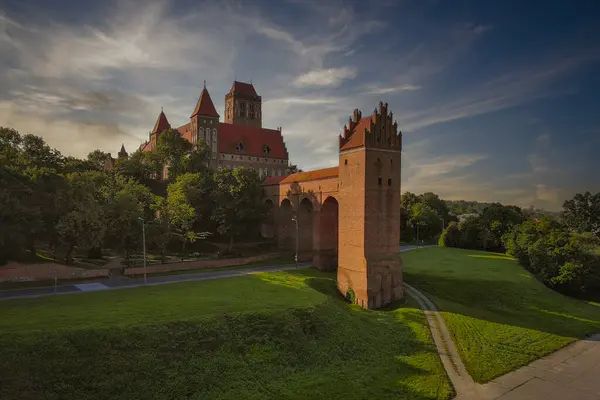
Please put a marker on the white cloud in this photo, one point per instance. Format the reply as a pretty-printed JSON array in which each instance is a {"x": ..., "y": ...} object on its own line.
[
  {"x": 386, "y": 90},
  {"x": 325, "y": 77}
]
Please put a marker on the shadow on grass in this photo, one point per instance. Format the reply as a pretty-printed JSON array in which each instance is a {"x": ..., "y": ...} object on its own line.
[
  {"x": 528, "y": 305},
  {"x": 324, "y": 350}
]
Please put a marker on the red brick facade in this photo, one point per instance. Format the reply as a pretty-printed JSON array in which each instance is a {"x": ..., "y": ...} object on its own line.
[
  {"x": 239, "y": 141},
  {"x": 348, "y": 217}
]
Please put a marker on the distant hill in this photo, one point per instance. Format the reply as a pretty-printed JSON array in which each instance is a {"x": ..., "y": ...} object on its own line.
[{"x": 460, "y": 207}]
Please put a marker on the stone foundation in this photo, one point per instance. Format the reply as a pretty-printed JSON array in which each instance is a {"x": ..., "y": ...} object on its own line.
[{"x": 384, "y": 281}]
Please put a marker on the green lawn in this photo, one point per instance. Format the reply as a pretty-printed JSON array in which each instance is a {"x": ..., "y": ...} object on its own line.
[
  {"x": 501, "y": 317},
  {"x": 283, "y": 335}
]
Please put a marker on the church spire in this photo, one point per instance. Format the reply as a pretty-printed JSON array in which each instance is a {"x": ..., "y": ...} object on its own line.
[
  {"x": 205, "y": 106},
  {"x": 162, "y": 124}
]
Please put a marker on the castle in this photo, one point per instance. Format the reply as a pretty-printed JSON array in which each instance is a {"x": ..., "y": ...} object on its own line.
[
  {"x": 347, "y": 217},
  {"x": 239, "y": 141}
]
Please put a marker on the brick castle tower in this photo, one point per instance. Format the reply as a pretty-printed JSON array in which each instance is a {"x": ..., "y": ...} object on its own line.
[
  {"x": 369, "y": 224},
  {"x": 243, "y": 105}
]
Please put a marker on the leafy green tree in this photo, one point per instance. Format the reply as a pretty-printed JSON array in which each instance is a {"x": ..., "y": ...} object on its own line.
[
  {"x": 159, "y": 230},
  {"x": 450, "y": 237},
  {"x": 83, "y": 225},
  {"x": 196, "y": 161},
  {"x": 186, "y": 206},
  {"x": 97, "y": 158},
  {"x": 426, "y": 220},
  {"x": 126, "y": 204},
  {"x": 471, "y": 233},
  {"x": 582, "y": 213},
  {"x": 172, "y": 150},
  {"x": 436, "y": 204},
  {"x": 238, "y": 209}
]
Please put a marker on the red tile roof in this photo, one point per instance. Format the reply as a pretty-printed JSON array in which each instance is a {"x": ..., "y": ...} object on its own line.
[
  {"x": 253, "y": 141},
  {"x": 357, "y": 138},
  {"x": 205, "y": 106},
  {"x": 324, "y": 173},
  {"x": 273, "y": 180},
  {"x": 162, "y": 123},
  {"x": 186, "y": 131},
  {"x": 243, "y": 88}
]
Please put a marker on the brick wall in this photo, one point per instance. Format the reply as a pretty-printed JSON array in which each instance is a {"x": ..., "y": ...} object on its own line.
[{"x": 201, "y": 264}]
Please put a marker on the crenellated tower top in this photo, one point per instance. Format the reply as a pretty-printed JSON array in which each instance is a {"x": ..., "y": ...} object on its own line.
[{"x": 378, "y": 131}]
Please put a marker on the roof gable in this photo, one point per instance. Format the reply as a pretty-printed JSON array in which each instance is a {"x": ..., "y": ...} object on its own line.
[
  {"x": 205, "y": 106},
  {"x": 243, "y": 88},
  {"x": 162, "y": 124}
]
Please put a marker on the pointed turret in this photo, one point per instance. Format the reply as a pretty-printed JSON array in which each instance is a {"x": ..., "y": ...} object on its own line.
[
  {"x": 123, "y": 152},
  {"x": 205, "y": 106},
  {"x": 162, "y": 124}
]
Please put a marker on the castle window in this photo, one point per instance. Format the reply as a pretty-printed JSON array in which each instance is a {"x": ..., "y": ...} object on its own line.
[
  {"x": 379, "y": 181},
  {"x": 242, "y": 109},
  {"x": 266, "y": 149},
  {"x": 251, "y": 113},
  {"x": 346, "y": 162},
  {"x": 391, "y": 163},
  {"x": 389, "y": 182},
  {"x": 240, "y": 147}
]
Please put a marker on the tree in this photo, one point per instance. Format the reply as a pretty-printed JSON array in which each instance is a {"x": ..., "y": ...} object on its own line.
[
  {"x": 187, "y": 207},
  {"x": 82, "y": 223},
  {"x": 126, "y": 202},
  {"x": 198, "y": 158},
  {"x": 172, "y": 150},
  {"x": 582, "y": 213},
  {"x": 238, "y": 209},
  {"x": 97, "y": 158},
  {"x": 294, "y": 169},
  {"x": 471, "y": 233},
  {"x": 426, "y": 220},
  {"x": 450, "y": 237},
  {"x": 436, "y": 204}
]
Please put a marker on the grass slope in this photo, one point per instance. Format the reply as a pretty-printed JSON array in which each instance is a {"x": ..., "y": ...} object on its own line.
[
  {"x": 501, "y": 317},
  {"x": 284, "y": 335}
]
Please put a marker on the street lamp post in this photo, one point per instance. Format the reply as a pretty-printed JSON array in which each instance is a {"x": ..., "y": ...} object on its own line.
[
  {"x": 295, "y": 219},
  {"x": 144, "y": 246}
]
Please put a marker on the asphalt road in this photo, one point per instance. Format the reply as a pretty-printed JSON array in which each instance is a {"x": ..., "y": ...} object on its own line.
[{"x": 124, "y": 283}]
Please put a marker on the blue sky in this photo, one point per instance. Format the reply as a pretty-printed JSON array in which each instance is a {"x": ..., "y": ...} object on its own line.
[{"x": 497, "y": 101}]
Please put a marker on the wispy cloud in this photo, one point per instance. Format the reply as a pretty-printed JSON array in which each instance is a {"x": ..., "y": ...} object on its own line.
[
  {"x": 394, "y": 89},
  {"x": 325, "y": 77}
]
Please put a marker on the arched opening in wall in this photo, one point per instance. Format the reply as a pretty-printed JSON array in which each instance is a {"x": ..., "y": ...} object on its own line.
[
  {"x": 328, "y": 235},
  {"x": 287, "y": 228},
  {"x": 267, "y": 228},
  {"x": 305, "y": 230}
]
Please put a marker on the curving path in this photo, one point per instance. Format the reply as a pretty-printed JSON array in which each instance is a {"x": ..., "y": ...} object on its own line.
[{"x": 572, "y": 373}]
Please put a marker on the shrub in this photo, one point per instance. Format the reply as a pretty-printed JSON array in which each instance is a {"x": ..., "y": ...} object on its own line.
[
  {"x": 450, "y": 236},
  {"x": 350, "y": 296}
]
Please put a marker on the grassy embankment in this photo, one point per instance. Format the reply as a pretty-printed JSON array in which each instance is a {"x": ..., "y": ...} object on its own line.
[
  {"x": 283, "y": 335},
  {"x": 500, "y": 316}
]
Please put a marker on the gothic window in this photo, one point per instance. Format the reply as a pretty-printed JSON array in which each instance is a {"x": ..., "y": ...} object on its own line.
[
  {"x": 379, "y": 181},
  {"x": 266, "y": 149},
  {"x": 200, "y": 134},
  {"x": 242, "y": 109},
  {"x": 240, "y": 147},
  {"x": 390, "y": 182},
  {"x": 251, "y": 112}
]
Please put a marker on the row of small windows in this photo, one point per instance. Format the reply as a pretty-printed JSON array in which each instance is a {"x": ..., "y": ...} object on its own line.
[
  {"x": 378, "y": 162},
  {"x": 249, "y": 158},
  {"x": 379, "y": 182},
  {"x": 262, "y": 172}
]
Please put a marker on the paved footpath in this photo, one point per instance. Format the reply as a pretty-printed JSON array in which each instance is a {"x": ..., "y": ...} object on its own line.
[
  {"x": 125, "y": 283},
  {"x": 151, "y": 280},
  {"x": 571, "y": 373}
]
